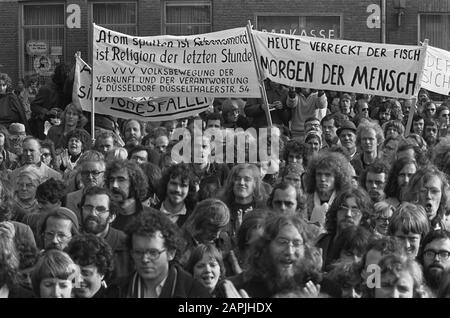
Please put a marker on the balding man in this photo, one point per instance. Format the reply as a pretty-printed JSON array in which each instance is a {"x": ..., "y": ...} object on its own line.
[
  {"x": 32, "y": 159},
  {"x": 92, "y": 164}
]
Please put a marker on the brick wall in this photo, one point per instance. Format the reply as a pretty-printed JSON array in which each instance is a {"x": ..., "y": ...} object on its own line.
[
  {"x": 228, "y": 14},
  {"x": 9, "y": 39}
]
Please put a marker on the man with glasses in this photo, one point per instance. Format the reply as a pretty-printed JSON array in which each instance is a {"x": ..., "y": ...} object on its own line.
[
  {"x": 434, "y": 256},
  {"x": 57, "y": 229},
  {"x": 429, "y": 110},
  {"x": 154, "y": 242},
  {"x": 92, "y": 171},
  {"x": 282, "y": 254},
  {"x": 97, "y": 214}
]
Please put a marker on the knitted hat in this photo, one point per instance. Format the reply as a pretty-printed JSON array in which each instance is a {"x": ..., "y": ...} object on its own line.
[
  {"x": 346, "y": 124},
  {"x": 69, "y": 214},
  {"x": 17, "y": 129},
  {"x": 313, "y": 134},
  {"x": 212, "y": 211},
  {"x": 346, "y": 97}
]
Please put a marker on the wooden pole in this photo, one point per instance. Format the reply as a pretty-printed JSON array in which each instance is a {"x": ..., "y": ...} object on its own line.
[{"x": 262, "y": 87}]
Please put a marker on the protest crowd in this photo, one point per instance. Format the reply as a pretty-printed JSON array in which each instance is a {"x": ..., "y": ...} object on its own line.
[{"x": 353, "y": 203}]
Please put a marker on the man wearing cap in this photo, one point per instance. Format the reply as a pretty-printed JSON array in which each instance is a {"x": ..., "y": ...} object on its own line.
[
  {"x": 347, "y": 136},
  {"x": 58, "y": 228},
  {"x": 32, "y": 158},
  {"x": 313, "y": 141},
  {"x": 16, "y": 136}
]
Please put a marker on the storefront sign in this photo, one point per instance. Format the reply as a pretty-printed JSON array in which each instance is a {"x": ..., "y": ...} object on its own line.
[
  {"x": 37, "y": 47},
  {"x": 328, "y": 27}
]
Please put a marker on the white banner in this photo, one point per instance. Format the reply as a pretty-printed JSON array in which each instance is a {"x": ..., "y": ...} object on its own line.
[
  {"x": 370, "y": 68},
  {"x": 218, "y": 64},
  {"x": 157, "y": 109},
  {"x": 436, "y": 73}
]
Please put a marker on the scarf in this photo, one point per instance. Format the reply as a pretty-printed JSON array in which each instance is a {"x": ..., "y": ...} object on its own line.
[{"x": 319, "y": 211}]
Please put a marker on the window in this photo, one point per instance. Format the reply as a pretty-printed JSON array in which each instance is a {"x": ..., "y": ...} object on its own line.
[
  {"x": 186, "y": 18},
  {"x": 435, "y": 28},
  {"x": 322, "y": 26},
  {"x": 43, "y": 38},
  {"x": 117, "y": 16}
]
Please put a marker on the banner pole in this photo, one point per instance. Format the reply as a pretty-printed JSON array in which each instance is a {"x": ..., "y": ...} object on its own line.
[
  {"x": 92, "y": 91},
  {"x": 262, "y": 87},
  {"x": 414, "y": 106}
]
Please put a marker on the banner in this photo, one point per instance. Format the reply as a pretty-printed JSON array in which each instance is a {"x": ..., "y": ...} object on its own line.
[
  {"x": 436, "y": 73},
  {"x": 337, "y": 65},
  {"x": 156, "y": 109},
  {"x": 212, "y": 65}
]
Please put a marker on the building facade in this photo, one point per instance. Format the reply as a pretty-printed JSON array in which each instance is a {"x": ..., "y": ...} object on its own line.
[{"x": 37, "y": 35}]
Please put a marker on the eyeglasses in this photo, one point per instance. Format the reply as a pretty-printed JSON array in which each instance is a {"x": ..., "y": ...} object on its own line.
[
  {"x": 430, "y": 254},
  {"x": 98, "y": 209},
  {"x": 354, "y": 211},
  {"x": 45, "y": 154},
  {"x": 94, "y": 173},
  {"x": 152, "y": 254},
  {"x": 285, "y": 243},
  {"x": 59, "y": 236},
  {"x": 384, "y": 220}
]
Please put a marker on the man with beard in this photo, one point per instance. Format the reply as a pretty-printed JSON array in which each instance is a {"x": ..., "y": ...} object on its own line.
[
  {"x": 284, "y": 258},
  {"x": 374, "y": 178},
  {"x": 434, "y": 256},
  {"x": 176, "y": 193},
  {"x": 409, "y": 224},
  {"x": 92, "y": 170},
  {"x": 429, "y": 188},
  {"x": 329, "y": 128},
  {"x": 327, "y": 174},
  {"x": 350, "y": 208},
  {"x": 430, "y": 132},
  {"x": 133, "y": 132},
  {"x": 128, "y": 185},
  {"x": 97, "y": 213},
  {"x": 32, "y": 158},
  {"x": 57, "y": 229}
]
